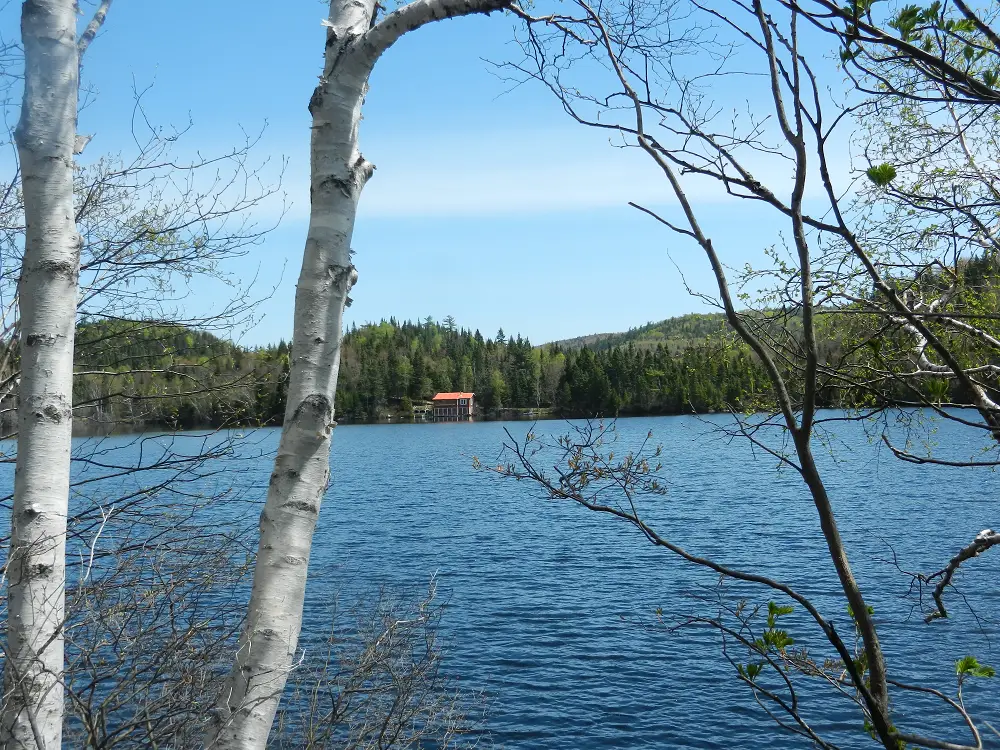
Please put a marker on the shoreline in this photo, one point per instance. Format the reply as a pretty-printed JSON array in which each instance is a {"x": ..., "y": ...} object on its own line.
[{"x": 86, "y": 430}]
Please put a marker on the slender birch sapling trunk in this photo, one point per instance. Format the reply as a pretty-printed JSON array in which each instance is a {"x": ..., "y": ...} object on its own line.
[
  {"x": 47, "y": 293},
  {"x": 265, "y": 654}
]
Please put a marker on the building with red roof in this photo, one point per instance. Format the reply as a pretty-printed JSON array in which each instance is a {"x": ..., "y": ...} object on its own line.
[{"x": 454, "y": 407}]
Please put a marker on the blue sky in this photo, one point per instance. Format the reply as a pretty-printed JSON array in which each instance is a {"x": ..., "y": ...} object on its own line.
[{"x": 488, "y": 204}]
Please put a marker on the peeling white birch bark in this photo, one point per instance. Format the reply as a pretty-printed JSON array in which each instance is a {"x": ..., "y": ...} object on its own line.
[
  {"x": 45, "y": 136},
  {"x": 265, "y": 655}
]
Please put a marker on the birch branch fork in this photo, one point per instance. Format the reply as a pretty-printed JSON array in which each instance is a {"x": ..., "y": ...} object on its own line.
[{"x": 265, "y": 654}]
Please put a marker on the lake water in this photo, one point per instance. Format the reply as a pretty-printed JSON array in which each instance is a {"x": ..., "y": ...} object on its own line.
[{"x": 551, "y": 607}]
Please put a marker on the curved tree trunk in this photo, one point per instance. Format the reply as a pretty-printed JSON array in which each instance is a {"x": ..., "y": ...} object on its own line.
[
  {"x": 250, "y": 696},
  {"x": 302, "y": 467},
  {"x": 45, "y": 136}
]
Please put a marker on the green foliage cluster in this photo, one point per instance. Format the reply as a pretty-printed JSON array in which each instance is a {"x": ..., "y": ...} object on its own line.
[
  {"x": 772, "y": 642},
  {"x": 969, "y": 666},
  {"x": 882, "y": 175},
  {"x": 929, "y": 26}
]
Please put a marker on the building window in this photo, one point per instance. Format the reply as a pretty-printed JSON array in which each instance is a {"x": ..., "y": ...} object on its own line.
[{"x": 463, "y": 401}]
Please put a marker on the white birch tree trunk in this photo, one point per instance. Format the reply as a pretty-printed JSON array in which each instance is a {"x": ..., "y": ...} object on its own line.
[
  {"x": 266, "y": 651},
  {"x": 46, "y": 133}
]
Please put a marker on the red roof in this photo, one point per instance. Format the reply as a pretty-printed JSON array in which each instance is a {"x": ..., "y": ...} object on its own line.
[{"x": 450, "y": 396}]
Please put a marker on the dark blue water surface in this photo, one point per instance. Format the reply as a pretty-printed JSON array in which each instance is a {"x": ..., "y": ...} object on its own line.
[
  {"x": 551, "y": 607},
  {"x": 544, "y": 595}
]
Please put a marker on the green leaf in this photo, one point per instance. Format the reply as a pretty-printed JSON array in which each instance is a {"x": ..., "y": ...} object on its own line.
[
  {"x": 906, "y": 21},
  {"x": 882, "y": 175},
  {"x": 774, "y": 612},
  {"x": 970, "y": 666},
  {"x": 966, "y": 664},
  {"x": 847, "y": 54},
  {"x": 850, "y": 610},
  {"x": 778, "y": 639}
]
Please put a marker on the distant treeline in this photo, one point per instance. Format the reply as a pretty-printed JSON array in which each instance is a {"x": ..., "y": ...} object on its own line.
[
  {"x": 139, "y": 373},
  {"x": 392, "y": 365},
  {"x": 133, "y": 372}
]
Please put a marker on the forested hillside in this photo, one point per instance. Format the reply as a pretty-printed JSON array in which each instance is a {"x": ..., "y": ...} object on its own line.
[
  {"x": 676, "y": 334},
  {"x": 134, "y": 373},
  {"x": 390, "y": 366}
]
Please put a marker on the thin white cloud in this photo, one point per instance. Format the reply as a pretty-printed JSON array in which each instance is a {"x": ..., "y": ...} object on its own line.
[{"x": 511, "y": 173}]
